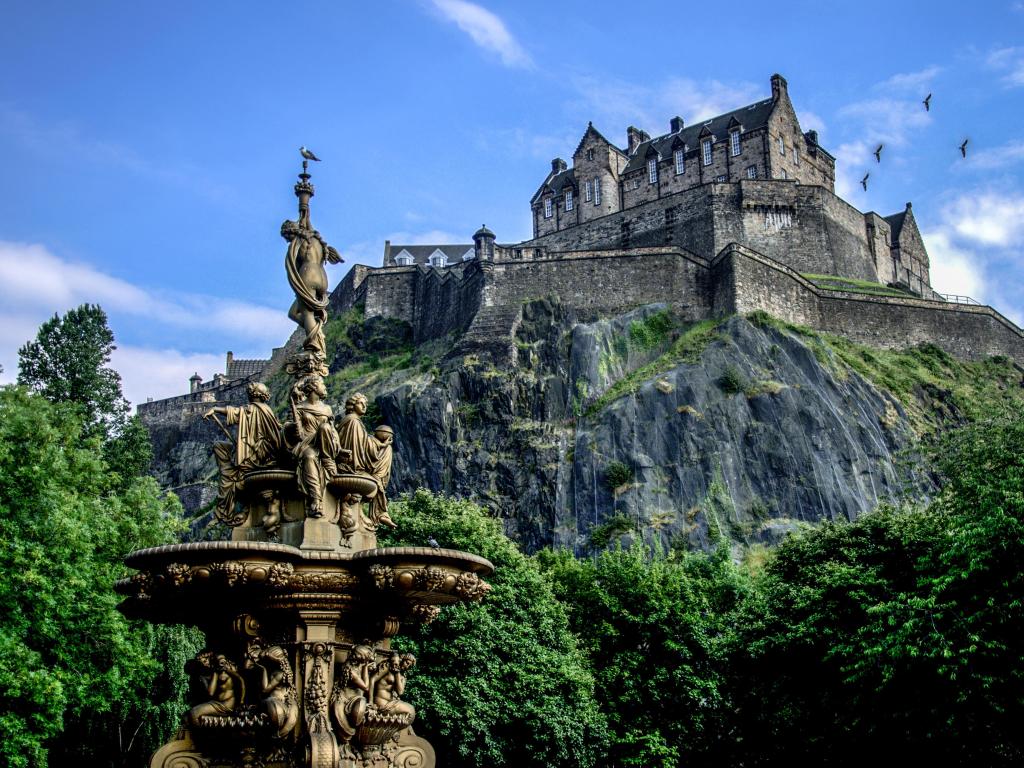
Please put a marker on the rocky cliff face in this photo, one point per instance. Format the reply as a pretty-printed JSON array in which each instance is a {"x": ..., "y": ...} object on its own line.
[{"x": 633, "y": 425}]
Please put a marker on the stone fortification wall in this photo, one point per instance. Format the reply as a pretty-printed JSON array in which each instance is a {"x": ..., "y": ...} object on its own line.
[
  {"x": 804, "y": 226},
  {"x": 753, "y": 282}
]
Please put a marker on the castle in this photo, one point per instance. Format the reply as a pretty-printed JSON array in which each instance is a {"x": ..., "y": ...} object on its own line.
[{"x": 735, "y": 214}]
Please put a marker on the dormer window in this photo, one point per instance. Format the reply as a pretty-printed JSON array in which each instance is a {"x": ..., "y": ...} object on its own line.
[
  {"x": 438, "y": 259},
  {"x": 652, "y": 170},
  {"x": 568, "y": 200},
  {"x": 404, "y": 259},
  {"x": 782, "y": 146},
  {"x": 588, "y": 191},
  {"x": 734, "y": 143},
  {"x": 705, "y": 147},
  {"x": 597, "y": 191},
  {"x": 469, "y": 255},
  {"x": 678, "y": 157},
  {"x": 547, "y": 208}
]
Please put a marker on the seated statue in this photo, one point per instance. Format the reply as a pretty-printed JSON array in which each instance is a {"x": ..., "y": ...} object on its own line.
[
  {"x": 349, "y": 701},
  {"x": 256, "y": 445},
  {"x": 388, "y": 684},
  {"x": 312, "y": 440},
  {"x": 277, "y": 685},
  {"x": 367, "y": 454},
  {"x": 222, "y": 684}
]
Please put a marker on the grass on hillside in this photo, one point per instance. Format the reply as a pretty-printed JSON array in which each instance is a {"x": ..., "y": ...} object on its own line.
[{"x": 852, "y": 285}]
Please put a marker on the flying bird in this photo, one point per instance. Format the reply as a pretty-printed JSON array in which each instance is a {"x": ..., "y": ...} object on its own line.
[
  {"x": 864, "y": 181},
  {"x": 878, "y": 153},
  {"x": 927, "y": 103},
  {"x": 433, "y": 542},
  {"x": 308, "y": 155},
  {"x": 963, "y": 148}
]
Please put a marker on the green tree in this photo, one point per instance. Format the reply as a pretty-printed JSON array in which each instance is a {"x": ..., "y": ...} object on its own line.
[
  {"x": 501, "y": 682},
  {"x": 68, "y": 363},
  {"x": 76, "y": 677},
  {"x": 650, "y": 625}
]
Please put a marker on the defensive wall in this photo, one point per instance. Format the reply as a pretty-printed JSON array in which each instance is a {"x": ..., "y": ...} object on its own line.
[{"x": 484, "y": 298}]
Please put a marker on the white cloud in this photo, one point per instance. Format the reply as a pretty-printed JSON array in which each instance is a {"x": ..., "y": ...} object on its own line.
[
  {"x": 953, "y": 269},
  {"x": 486, "y": 29},
  {"x": 910, "y": 81},
  {"x": 1009, "y": 61},
  {"x": 988, "y": 219},
  {"x": 35, "y": 284},
  {"x": 159, "y": 373}
]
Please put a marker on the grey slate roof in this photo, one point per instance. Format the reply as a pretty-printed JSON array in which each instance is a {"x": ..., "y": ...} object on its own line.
[
  {"x": 421, "y": 253},
  {"x": 896, "y": 224},
  {"x": 750, "y": 118},
  {"x": 241, "y": 369}
]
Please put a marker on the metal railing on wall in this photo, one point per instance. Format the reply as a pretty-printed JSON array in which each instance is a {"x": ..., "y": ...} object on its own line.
[{"x": 957, "y": 299}]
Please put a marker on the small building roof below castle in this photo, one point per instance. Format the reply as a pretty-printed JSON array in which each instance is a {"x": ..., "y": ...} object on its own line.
[
  {"x": 454, "y": 254},
  {"x": 237, "y": 368}
]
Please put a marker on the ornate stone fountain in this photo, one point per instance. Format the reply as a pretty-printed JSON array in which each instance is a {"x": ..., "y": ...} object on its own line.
[{"x": 300, "y": 605}]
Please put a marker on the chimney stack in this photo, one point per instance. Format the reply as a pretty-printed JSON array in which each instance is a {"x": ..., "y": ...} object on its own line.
[
  {"x": 675, "y": 124},
  {"x": 635, "y": 137},
  {"x": 558, "y": 165},
  {"x": 779, "y": 86}
]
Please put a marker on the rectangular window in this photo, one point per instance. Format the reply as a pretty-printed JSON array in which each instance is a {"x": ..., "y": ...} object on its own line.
[
  {"x": 680, "y": 161},
  {"x": 782, "y": 146},
  {"x": 568, "y": 199},
  {"x": 587, "y": 191},
  {"x": 751, "y": 171},
  {"x": 652, "y": 170},
  {"x": 597, "y": 191},
  {"x": 796, "y": 155},
  {"x": 706, "y": 149},
  {"x": 783, "y": 174},
  {"x": 734, "y": 142},
  {"x": 720, "y": 178},
  {"x": 547, "y": 208}
]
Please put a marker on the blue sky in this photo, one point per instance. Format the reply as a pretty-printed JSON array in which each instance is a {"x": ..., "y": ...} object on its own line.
[{"x": 149, "y": 148}]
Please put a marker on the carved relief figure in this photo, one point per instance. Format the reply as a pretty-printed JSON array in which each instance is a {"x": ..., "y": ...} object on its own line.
[
  {"x": 388, "y": 685},
  {"x": 352, "y": 691},
  {"x": 367, "y": 454},
  {"x": 222, "y": 683},
  {"x": 256, "y": 445},
  {"x": 304, "y": 265},
  {"x": 277, "y": 685},
  {"x": 312, "y": 440}
]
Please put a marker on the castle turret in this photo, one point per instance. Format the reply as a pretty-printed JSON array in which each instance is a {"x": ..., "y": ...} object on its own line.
[
  {"x": 483, "y": 243},
  {"x": 195, "y": 380}
]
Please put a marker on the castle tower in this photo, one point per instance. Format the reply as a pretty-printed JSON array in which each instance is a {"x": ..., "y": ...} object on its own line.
[{"x": 483, "y": 244}]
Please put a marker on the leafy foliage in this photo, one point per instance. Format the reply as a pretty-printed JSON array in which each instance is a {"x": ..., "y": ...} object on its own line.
[
  {"x": 71, "y": 665},
  {"x": 501, "y": 682}
]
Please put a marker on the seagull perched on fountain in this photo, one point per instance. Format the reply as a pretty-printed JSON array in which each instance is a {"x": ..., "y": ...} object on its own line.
[
  {"x": 963, "y": 148},
  {"x": 864, "y": 181},
  {"x": 878, "y": 153},
  {"x": 927, "y": 103},
  {"x": 433, "y": 542},
  {"x": 308, "y": 155}
]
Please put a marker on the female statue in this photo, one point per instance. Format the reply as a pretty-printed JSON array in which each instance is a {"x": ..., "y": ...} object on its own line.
[
  {"x": 351, "y": 691},
  {"x": 223, "y": 685},
  {"x": 277, "y": 685},
  {"x": 367, "y": 454},
  {"x": 304, "y": 264},
  {"x": 312, "y": 440}
]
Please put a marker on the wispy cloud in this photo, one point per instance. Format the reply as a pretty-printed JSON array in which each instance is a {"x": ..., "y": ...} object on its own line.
[
  {"x": 1009, "y": 61},
  {"x": 486, "y": 29},
  {"x": 914, "y": 82},
  {"x": 26, "y": 300},
  {"x": 68, "y": 140},
  {"x": 617, "y": 103}
]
